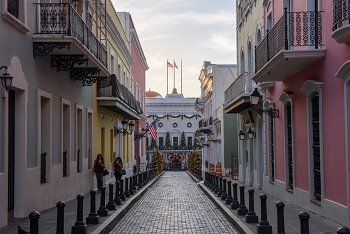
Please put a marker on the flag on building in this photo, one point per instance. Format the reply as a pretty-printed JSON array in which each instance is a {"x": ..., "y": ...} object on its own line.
[
  {"x": 153, "y": 129},
  {"x": 175, "y": 65},
  {"x": 170, "y": 65}
]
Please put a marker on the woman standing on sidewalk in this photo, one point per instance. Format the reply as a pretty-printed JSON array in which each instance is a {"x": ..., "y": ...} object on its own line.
[
  {"x": 117, "y": 166},
  {"x": 99, "y": 166}
]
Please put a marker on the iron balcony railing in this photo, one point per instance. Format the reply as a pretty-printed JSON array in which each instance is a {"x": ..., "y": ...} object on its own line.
[
  {"x": 294, "y": 29},
  {"x": 61, "y": 18},
  {"x": 243, "y": 84},
  {"x": 205, "y": 122},
  {"x": 341, "y": 13},
  {"x": 111, "y": 87}
]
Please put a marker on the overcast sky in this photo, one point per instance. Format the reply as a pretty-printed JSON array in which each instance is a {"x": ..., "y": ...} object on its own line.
[{"x": 191, "y": 30}]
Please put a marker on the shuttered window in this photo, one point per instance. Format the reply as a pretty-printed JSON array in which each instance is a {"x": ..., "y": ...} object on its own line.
[
  {"x": 316, "y": 146},
  {"x": 289, "y": 144},
  {"x": 272, "y": 149}
]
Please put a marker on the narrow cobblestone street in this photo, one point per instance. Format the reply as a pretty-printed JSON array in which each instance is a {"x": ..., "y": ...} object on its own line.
[{"x": 174, "y": 204}]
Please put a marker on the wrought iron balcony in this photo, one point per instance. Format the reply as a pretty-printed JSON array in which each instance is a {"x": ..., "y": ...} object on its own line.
[
  {"x": 62, "y": 32},
  {"x": 294, "y": 43},
  {"x": 237, "y": 95},
  {"x": 114, "y": 96},
  {"x": 341, "y": 21}
]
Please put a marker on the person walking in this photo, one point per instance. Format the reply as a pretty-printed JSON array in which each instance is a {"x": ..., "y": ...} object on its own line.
[
  {"x": 117, "y": 166},
  {"x": 99, "y": 166}
]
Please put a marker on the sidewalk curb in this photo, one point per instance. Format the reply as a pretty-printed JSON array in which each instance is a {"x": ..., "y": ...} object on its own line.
[
  {"x": 110, "y": 223},
  {"x": 236, "y": 222}
]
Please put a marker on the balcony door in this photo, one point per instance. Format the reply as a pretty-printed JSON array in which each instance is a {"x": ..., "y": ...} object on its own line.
[{"x": 11, "y": 153}]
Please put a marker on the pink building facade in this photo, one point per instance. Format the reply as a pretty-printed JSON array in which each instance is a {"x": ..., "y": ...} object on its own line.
[
  {"x": 138, "y": 87},
  {"x": 302, "y": 69}
]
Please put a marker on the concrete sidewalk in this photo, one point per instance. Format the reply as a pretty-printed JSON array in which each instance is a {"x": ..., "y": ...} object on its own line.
[
  {"x": 48, "y": 218},
  {"x": 317, "y": 224}
]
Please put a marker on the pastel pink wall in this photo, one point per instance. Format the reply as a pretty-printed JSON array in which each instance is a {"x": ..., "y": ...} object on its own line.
[
  {"x": 138, "y": 71},
  {"x": 333, "y": 119}
]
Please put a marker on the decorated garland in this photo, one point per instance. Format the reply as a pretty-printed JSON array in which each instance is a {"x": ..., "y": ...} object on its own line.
[
  {"x": 173, "y": 116},
  {"x": 179, "y": 157}
]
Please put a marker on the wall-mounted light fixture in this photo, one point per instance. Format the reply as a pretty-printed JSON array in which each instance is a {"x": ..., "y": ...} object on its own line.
[
  {"x": 242, "y": 135},
  {"x": 125, "y": 125},
  {"x": 251, "y": 134},
  {"x": 210, "y": 137},
  {"x": 254, "y": 100},
  {"x": 6, "y": 79}
]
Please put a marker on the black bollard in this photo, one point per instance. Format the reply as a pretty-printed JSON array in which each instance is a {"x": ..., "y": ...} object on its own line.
[
  {"x": 343, "y": 230},
  {"x": 131, "y": 191},
  {"x": 251, "y": 217},
  {"x": 235, "y": 203},
  {"x": 111, "y": 204},
  {"x": 264, "y": 226},
  {"x": 34, "y": 222},
  {"x": 139, "y": 184},
  {"x": 224, "y": 194},
  {"x": 102, "y": 211},
  {"x": 220, "y": 187},
  {"x": 121, "y": 194},
  {"x": 93, "y": 218},
  {"x": 117, "y": 200},
  {"x": 242, "y": 209},
  {"x": 79, "y": 226},
  {"x": 304, "y": 222},
  {"x": 280, "y": 217},
  {"x": 60, "y": 217},
  {"x": 134, "y": 183},
  {"x": 213, "y": 188},
  {"x": 126, "y": 193},
  {"x": 217, "y": 185},
  {"x": 229, "y": 193}
]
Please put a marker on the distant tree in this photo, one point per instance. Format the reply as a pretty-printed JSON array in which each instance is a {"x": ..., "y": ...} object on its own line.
[
  {"x": 183, "y": 140},
  {"x": 167, "y": 140}
]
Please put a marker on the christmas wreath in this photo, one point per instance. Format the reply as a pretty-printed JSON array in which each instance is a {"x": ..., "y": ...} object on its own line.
[
  {"x": 189, "y": 124},
  {"x": 160, "y": 124},
  {"x": 175, "y": 125}
]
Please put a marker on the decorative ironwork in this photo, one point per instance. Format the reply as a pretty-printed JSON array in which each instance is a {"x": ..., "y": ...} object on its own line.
[
  {"x": 61, "y": 18},
  {"x": 89, "y": 80},
  {"x": 81, "y": 73},
  {"x": 273, "y": 113},
  {"x": 13, "y": 7},
  {"x": 65, "y": 62},
  {"x": 294, "y": 29},
  {"x": 341, "y": 13},
  {"x": 45, "y": 48},
  {"x": 243, "y": 84},
  {"x": 65, "y": 164},
  {"x": 43, "y": 168}
]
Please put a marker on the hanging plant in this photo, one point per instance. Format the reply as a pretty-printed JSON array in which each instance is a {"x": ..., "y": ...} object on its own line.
[
  {"x": 189, "y": 124},
  {"x": 175, "y": 125},
  {"x": 160, "y": 124}
]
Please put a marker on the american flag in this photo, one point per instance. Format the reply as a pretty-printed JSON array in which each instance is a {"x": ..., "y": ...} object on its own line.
[
  {"x": 175, "y": 65},
  {"x": 153, "y": 130},
  {"x": 170, "y": 65}
]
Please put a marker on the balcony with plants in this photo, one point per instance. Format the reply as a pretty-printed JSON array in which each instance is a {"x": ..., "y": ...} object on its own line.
[
  {"x": 112, "y": 95},
  {"x": 341, "y": 21},
  {"x": 63, "y": 34},
  {"x": 237, "y": 95},
  {"x": 292, "y": 44}
]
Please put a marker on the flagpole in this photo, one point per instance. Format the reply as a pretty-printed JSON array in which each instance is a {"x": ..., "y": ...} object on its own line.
[
  {"x": 181, "y": 76},
  {"x": 174, "y": 74},
  {"x": 167, "y": 77}
]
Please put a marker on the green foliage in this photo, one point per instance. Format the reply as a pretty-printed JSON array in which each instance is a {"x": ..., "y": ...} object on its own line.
[
  {"x": 155, "y": 162},
  {"x": 167, "y": 140},
  {"x": 183, "y": 140}
]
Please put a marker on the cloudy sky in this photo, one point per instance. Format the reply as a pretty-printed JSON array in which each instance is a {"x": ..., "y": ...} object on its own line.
[{"x": 191, "y": 30}]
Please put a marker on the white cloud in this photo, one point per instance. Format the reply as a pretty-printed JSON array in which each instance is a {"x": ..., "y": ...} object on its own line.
[{"x": 191, "y": 30}]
